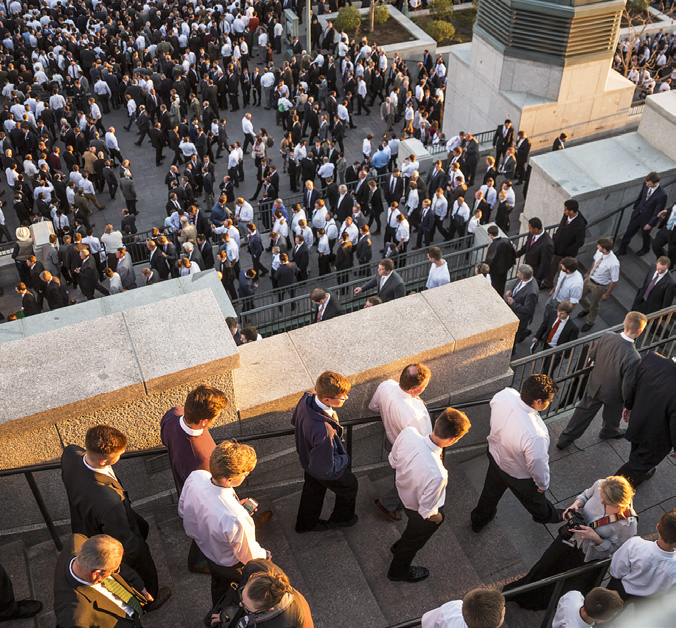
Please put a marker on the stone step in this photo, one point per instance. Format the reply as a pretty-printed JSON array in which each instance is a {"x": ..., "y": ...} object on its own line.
[
  {"x": 370, "y": 541},
  {"x": 14, "y": 560},
  {"x": 171, "y": 614},
  {"x": 41, "y": 566},
  {"x": 190, "y": 592},
  {"x": 338, "y": 592}
]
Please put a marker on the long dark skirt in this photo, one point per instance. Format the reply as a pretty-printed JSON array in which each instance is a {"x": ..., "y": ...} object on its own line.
[{"x": 558, "y": 557}]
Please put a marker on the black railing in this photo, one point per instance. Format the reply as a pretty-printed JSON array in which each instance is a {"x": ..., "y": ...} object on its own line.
[
  {"x": 567, "y": 364},
  {"x": 600, "y": 566},
  {"x": 290, "y": 311}
]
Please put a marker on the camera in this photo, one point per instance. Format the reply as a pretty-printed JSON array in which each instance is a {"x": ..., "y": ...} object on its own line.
[
  {"x": 250, "y": 505},
  {"x": 574, "y": 521}
]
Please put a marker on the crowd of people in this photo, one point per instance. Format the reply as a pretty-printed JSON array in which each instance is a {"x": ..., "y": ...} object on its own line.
[
  {"x": 647, "y": 61},
  {"x": 175, "y": 69},
  {"x": 106, "y": 575}
]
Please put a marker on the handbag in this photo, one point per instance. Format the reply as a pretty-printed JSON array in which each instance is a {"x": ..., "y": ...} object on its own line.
[{"x": 229, "y": 609}]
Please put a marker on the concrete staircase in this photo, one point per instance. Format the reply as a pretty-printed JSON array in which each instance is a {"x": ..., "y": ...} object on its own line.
[{"x": 342, "y": 573}]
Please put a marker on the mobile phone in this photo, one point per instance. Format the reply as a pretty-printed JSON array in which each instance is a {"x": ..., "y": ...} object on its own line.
[{"x": 250, "y": 505}]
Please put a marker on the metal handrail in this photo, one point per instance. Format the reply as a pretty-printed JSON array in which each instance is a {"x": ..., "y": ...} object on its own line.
[{"x": 558, "y": 580}]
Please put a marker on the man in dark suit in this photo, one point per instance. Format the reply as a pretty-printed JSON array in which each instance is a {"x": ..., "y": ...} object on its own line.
[
  {"x": 84, "y": 567},
  {"x": 523, "y": 299},
  {"x": 394, "y": 187},
  {"x": 99, "y": 503},
  {"x": 301, "y": 257},
  {"x": 344, "y": 204},
  {"x": 328, "y": 306},
  {"x": 437, "y": 178},
  {"x": 310, "y": 197},
  {"x": 657, "y": 291},
  {"x": 56, "y": 292},
  {"x": 150, "y": 276},
  {"x": 35, "y": 269},
  {"x": 128, "y": 222},
  {"x": 156, "y": 261},
  {"x": 285, "y": 276},
  {"x": 158, "y": 142},
  {"x": 522, "y": 151},
  {"x": 426, "y": 226},
  {"x": 559, "y": 142},
  {"x": 651, "y": 200},
  {"x": 650, "y": 408},
  {"x": 256, "y": 249},
  {"x": 503, "y": 139},
  {"x": 29, "y": 305},
  {"x": 500, "y": 256},
  {"x": 206, "y": 251},
  {"x": 363, "y": 249},
  {"x": 88, "y": 276},
  {"x": 615, "y": 361},
  {"x": 557, "y": 329},
  {"x": 390, "y": 285},
  {"x": 666, "y": 235},
  {"x": 537, "y": 250},
  {"x": 568, "y": 238}
]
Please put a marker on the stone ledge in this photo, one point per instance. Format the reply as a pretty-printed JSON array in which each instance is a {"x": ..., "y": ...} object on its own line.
[
  {"x": 105, "y": 360},
  {"x": 264, "y": 381},
  {"x": 370, "y": 342}
]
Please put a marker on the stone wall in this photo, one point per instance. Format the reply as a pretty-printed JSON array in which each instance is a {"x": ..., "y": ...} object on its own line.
[
  {"x": 125, "y": 369},
  {"x": 606, "y": 174}
]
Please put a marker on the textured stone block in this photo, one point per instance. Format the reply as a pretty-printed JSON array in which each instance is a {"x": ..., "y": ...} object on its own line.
[
  {"x": 11, "y": 330},
  {"x": 27, "y": 447},
  {"x": 145, "y": 295},
  {"x": 367, "y": 344},
  {"x": 102, "y": 368},
  {"x": 58, "y": 319},
  {"x": 271, "y": 376},
  {"x": 169, "y": 340},
  {"x": 208, "y": 279},
  {"x": 473, "y": 313},
  {"x": 658, "y": 122}
]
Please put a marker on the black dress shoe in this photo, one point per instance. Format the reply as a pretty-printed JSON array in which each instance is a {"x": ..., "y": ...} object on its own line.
[
  {"x": 650, "y": 474},
  {"x": 321, "y": 526},
  {"x": 642, "y": 252},
  {"x": 583, "y": 313},
  {"x": 25, "y": 609},
  {"x": 617, "y": 436},
  {"x": 586, "y": 327},
  {"x": 344, "y": 524},
  {"x": 414, "y": 574},
  {"x": 163, "y": 596}
]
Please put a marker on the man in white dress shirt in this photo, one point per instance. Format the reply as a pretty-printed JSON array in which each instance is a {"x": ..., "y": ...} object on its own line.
[
  {"x": 642, "y": 568},
  {"x": 216, "y": 518},
  {"x": 599, "y": 281},
  {"x": 569, "y": 285},
  {"x": 480, "y": 608},
  {"x": 421, "y": 481},
  {"x": 518, "y": 452},
  {"x": 579, "y": 611},
  {"x": 400, "y": 406}
]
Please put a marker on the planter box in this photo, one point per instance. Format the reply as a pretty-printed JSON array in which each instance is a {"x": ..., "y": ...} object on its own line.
[{"x": 408, "y": 50}]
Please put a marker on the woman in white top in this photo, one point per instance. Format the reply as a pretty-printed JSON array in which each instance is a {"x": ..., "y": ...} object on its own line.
[
  {"x": 439, "y": 275},
  {"x": 607, "y": 509}
]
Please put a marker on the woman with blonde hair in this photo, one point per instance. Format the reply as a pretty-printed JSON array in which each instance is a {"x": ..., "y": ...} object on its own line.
[{"x": 609, "y": 520}]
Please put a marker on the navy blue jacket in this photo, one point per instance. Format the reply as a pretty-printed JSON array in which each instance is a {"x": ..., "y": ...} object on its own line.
[
  {"x": 255, "y": 245},
  {"x": 320, "y": 449}
]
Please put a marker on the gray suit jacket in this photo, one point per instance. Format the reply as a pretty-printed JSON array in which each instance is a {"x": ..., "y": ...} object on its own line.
[
  {"x": 393, "y": 289},
  {"x": 51, "y": 261},
  {"x": 126, "y": 271},
  {"x": 615, "y": 363},
  {"x": 525, "y": 301}
]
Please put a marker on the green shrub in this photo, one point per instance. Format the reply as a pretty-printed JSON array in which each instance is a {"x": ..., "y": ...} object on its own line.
[
  {"x": 440, "y": 8},
  {"x": 638, "y": 6},
  {"x": 348, "y": 20},
  {"x": 438, "y": 30},
  {"x": 382, "y": 13}
]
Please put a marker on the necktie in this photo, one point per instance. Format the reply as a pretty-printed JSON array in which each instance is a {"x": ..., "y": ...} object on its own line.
[
  {"x": 320, "y": 313},
  {"x": 123, "y": 593},
  {"x": 393, "y": 181},
  {"x": 552, "y": 331},
  {"x": 532, "y": 240},
  {"x": 517, "y": 288},
  {"x": 650, "y": 287},
  {"x": 595, "y": 266},
  {"x": 672, "y": 220},
  {"x": 650, "y": 191}
]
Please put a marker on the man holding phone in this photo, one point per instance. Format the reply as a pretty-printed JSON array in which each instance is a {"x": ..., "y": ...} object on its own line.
[{"x": 220, "y": 523}]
